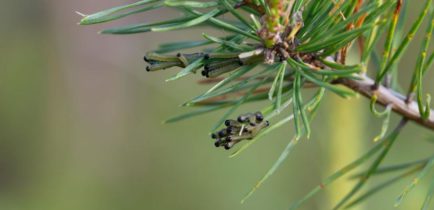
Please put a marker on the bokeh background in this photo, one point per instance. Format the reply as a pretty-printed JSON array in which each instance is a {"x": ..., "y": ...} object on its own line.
[{"x": 80, "y": 126}]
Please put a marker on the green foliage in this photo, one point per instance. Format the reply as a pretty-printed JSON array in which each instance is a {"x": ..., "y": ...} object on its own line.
[{"x": 277, "y": 49}]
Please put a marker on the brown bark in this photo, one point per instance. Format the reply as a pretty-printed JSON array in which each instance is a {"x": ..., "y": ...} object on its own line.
[{"x": 365, "y": 86}]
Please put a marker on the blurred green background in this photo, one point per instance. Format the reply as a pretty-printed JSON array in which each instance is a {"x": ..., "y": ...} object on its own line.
[{"x": 80, "y": 127}]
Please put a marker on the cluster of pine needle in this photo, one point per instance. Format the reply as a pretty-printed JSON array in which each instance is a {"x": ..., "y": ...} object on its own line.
[{"x": 274, "y": 50}]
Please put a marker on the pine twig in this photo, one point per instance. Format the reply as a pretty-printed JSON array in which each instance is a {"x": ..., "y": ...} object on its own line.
[{"x": 365, "y": 86}]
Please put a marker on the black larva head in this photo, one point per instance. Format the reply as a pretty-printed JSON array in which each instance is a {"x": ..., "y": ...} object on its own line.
[
  {"x": 148, "y": 68},
  {"x": 213, "y": 136},
  {"x": 222, "y": 133},
  {"x": 205, "y": 73},
  {"x": 146, "y": 59},
  {"x": 228, "y": 139},
  {"x": 267, "y": 123},
  {"x": 259, "y": 117},
  {"x": 206, "y": 56},
  {"x": 206, "y": 67},
  {"x": 242, "y": 119}
]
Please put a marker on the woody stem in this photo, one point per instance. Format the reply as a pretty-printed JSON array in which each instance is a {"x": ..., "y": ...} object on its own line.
[{"x": 388, "y": 97}]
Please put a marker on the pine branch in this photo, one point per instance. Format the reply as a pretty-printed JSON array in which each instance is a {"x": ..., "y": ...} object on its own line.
[
  {"x": 385, "y": 97},
  {"x": 284, "y": 48}
]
